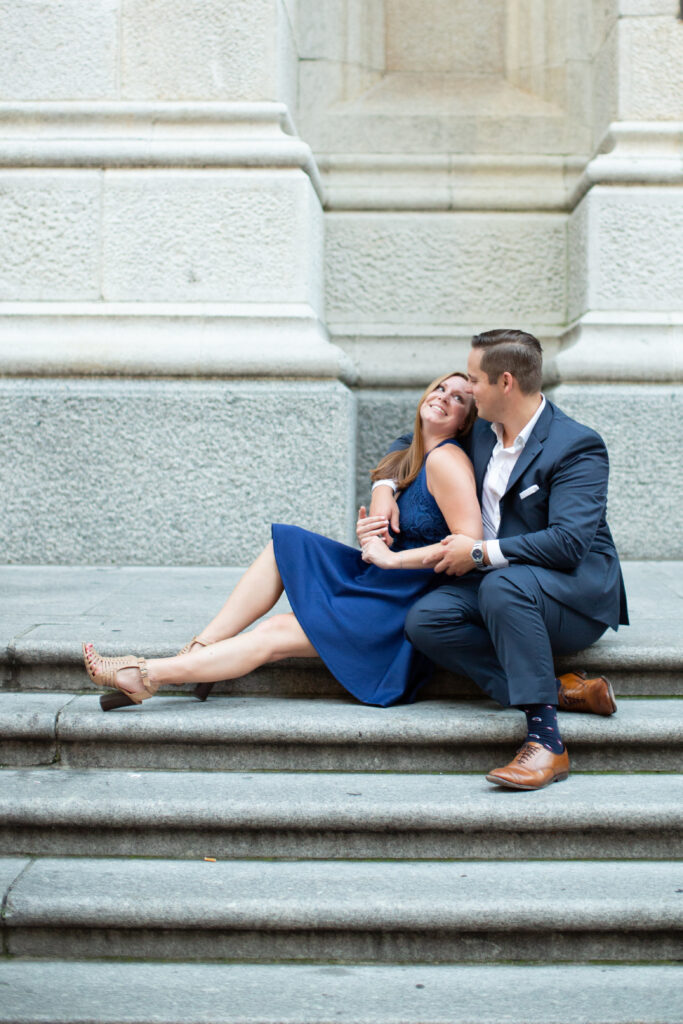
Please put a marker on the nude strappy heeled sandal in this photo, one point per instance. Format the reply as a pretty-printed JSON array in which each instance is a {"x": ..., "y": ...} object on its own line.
[
  {"x": 188, "y": 646},
  {"x": 201, "y": 690},
  {"x": 108, "y": 667}
]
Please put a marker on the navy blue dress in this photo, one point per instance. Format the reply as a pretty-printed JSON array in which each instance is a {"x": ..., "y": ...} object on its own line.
[{"x": 352, "y": 612}]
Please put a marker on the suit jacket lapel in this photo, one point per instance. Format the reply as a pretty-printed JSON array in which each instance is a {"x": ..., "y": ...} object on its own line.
[
  {"x": 533, "y": 446},
  {"x": 529, "y": 453},
  {"x": 481, "y": 456}
]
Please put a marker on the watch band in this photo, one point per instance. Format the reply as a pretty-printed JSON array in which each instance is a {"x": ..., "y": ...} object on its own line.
[{"x": 477, "y": 554}]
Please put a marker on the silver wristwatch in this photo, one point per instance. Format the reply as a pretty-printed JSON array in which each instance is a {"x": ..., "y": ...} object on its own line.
[{"x": 477, "y": 554}]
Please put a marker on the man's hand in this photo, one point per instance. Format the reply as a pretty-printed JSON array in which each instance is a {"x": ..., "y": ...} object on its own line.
[
  {"x": 454, "y": 558},
  {"x": 377, "y": 553},
  {"x": 368, "y": 527},
  {"x": 384, "y": 505}
]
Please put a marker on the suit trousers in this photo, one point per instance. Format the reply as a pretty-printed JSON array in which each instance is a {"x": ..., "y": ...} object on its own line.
[{"x": 500, "y": 629}]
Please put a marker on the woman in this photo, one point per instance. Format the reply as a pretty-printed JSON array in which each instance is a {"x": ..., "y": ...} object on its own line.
[{"x": 348, "y": 607}]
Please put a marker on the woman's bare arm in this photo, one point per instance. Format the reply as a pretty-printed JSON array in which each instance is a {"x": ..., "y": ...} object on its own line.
[
  {"x": 450, "y": 480},
  {"x": 376, "y": 551}
]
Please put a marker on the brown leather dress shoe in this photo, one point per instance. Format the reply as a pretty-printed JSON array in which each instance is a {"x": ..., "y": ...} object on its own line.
[
  {"x": 594, "y": 696},
  {"x": 532, "y": 767}
]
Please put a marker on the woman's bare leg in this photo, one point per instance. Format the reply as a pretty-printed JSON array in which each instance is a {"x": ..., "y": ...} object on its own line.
[
  {"x": 278, "y": 637},
  {"x": 255, "y": 594}
]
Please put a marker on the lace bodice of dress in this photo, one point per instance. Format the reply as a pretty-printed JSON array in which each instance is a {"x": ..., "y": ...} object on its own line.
[{"x": 421, "y": 519}]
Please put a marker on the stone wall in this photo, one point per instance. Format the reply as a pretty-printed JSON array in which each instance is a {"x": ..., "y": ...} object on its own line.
[
  {"x": 621, "y": 362},
  {"x": 151, "y": 472},
  {"x": 244, "y": 215},
  {"x": 162, "y": 262}
]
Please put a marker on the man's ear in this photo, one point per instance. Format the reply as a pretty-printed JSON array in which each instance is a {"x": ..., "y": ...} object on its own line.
[{"x": 507, "y": 381}]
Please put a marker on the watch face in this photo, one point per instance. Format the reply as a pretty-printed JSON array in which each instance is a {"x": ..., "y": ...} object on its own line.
[{"x": 477, "y": 553}]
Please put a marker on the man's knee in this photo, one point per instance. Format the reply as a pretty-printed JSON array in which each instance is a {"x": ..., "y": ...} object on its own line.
[
  {"x": 501, "y": 589},
  {"x": 419, "y": 622},
  {"x": 436, "y": 614}
]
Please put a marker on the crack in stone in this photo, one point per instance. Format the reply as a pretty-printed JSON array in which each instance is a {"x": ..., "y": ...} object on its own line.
[
  {"x": 58, "y": 742},
  {"x": 3, "y": 906}
]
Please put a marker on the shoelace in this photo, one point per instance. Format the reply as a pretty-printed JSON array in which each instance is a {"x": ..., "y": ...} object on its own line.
[
  {"x": 571, "y": 700},
  {"x": 526, "y": 752}
]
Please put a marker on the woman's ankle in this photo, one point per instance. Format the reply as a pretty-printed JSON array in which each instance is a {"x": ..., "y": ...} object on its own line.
[{"x": 155, "y": 673}]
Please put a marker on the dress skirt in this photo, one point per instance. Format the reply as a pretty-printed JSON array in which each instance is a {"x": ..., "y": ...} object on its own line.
[{"x": 354, "y": 614}]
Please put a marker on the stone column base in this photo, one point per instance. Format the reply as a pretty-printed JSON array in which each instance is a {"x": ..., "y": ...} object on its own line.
[
  {"x": 640, "y": 424},
  {"x": 163, "y": 472}
]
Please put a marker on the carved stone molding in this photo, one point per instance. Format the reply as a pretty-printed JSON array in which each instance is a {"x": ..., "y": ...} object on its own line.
[{"x": 152, "y": 135}]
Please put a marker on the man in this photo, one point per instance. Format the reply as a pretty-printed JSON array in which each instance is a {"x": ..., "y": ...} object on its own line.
[{"x": 545, "y": 577}]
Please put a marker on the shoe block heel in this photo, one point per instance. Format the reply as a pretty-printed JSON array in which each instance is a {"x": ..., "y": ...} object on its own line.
[
  {"x": 115, "y": 699},
  {"x": 202, "y": 690}
]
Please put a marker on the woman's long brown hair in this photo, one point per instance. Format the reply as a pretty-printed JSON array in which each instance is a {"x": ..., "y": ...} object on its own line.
[{"x": 404, "y": 465}]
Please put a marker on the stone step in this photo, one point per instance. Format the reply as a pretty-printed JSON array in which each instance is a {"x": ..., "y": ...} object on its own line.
[
  {"x": 150, "y": 993},
  {"x": 48, "y": 812},
  {"x": 321, "y": 734},
  {"x": 344, "y": 911},
  {"x": 47, "y": 611}
]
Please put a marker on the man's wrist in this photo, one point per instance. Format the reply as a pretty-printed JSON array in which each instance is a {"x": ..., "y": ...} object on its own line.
[
  {"x": 496, "y": 558},
  {"x": 478, "y": 554}
]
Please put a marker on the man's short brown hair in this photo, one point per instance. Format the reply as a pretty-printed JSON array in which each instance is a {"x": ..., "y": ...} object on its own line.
[{"x": 515, "y": 351}]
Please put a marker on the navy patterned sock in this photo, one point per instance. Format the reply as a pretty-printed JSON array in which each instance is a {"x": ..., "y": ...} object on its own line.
[{"x": 542, "y": 727}]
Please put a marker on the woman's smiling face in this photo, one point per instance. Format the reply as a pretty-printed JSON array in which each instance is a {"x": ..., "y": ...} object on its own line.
[{"x": 446, "y": 406}]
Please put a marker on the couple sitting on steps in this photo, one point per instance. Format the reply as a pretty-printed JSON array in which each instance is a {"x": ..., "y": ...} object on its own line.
[{"x": 486, "y": 550}]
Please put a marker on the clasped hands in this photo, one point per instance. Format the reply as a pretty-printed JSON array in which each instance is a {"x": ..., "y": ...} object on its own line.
[
  {"x": 452, "y": 556},
  {"x": 375, "y": 540}
]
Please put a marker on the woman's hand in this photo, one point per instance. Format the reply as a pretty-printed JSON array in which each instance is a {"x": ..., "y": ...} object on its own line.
[
  {"x": 368, "y": 527},
  {"x": 377, "y": 553}
]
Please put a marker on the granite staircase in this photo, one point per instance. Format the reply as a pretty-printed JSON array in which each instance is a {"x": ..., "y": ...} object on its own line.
[{"x": 282, "y": 853}]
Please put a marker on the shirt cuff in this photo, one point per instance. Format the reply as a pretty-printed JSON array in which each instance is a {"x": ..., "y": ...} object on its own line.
[
  {"x": 387, "y": 483},
  {"x": 497, "y": 559}
]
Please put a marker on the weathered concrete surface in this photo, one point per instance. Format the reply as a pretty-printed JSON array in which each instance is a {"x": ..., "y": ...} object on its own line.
[
  {"x": 215, "y": 463},
  {"x": 337, "y": 734},
  {"x": 47, "y": 611},
  {"x": 346, "y": 910},
  {"x": 76, "y": 993},
  {"x": 633, "y": 419},
  {"x": 610, "y": 221},
  {"x": 180, "y": 236},
  {"x": 206, "y": 49},
  {"x": 336, "y": 816},
  {"x": 68, "y": 51},
  {"x": 431, "y": 269},
  {"x": 53, "y": 251},
  {"x": 10, "y": 870},
  {"x": 28, "y": 729}
]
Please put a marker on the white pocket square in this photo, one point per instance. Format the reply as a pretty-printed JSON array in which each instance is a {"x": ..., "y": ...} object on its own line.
[{"x": 528, "y": 491}]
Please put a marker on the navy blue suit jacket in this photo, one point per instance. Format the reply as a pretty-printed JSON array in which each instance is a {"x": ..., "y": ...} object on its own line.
[{"x": 559, "y": 529}]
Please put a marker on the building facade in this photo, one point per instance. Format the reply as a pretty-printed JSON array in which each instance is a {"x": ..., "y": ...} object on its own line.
[{"x": 239, "y": 237}]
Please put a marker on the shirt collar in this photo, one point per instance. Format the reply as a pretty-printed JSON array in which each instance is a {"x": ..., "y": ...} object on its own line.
[{"x": 524, "y": 434}]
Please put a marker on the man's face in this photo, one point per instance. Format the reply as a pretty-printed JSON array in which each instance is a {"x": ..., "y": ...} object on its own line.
[{"x": 487, "y": 396}]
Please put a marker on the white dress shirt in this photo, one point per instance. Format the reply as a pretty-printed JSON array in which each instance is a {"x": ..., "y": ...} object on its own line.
[{"x": 498, "y": 472}]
